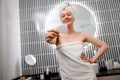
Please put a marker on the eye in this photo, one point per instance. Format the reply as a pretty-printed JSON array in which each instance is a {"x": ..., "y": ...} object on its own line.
[
  {"x": 62, "y": 16},
  {"x": 69, "y": 14}
]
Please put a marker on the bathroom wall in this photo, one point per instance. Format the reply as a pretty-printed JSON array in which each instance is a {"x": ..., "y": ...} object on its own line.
[
  {"x": 10, "y": 53},
  {"x": 33, "y": 15},
  {"x": 0, "y": 44}
]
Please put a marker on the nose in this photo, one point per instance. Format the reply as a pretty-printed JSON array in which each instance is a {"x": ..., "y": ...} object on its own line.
[{"x": 66, "y": 17}]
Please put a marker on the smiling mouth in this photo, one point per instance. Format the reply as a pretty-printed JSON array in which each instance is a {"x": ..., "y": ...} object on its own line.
[{"x": 67, "y": 21}]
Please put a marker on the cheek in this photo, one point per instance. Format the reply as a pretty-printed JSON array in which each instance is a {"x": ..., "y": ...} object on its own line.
[
  {"x": 72, "y": 18},
  {"x": 62, "y": 20}
]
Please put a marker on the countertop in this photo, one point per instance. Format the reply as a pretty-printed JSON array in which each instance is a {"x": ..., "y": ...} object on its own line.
[
  {"x": 109, "y": 72},
  {"x": 55, "y": 76}
]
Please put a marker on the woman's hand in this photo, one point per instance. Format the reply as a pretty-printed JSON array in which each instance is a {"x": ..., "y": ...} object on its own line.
[
  {"x": 86, "y": 59},
  {"x": 51, "y": 35}
]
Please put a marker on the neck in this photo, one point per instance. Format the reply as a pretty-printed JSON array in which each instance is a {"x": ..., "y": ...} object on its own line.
[{"x": 70, "y": 29}]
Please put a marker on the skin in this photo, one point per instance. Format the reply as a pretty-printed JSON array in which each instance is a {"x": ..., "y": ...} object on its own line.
[{"x": 72, "y": 35}]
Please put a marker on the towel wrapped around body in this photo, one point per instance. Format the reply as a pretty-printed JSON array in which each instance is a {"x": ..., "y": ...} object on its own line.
[{"x": 71, "y": 66}]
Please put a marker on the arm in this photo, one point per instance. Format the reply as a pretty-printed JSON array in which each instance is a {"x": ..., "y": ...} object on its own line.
[{"x": 100, "y": 44}]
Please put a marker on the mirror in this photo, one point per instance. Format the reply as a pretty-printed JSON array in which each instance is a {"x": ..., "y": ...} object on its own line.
[
  {"x": 84, "y": 20},
  {"x": 30, "y": 59}
]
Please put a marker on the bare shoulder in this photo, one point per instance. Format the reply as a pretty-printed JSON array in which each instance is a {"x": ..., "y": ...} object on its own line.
[
  {"x": 81, "y": 36},
  {"x": 93, "y": 40}
]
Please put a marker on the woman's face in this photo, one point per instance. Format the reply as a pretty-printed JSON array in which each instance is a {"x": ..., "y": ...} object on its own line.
[{"x": 67, "y": 17}]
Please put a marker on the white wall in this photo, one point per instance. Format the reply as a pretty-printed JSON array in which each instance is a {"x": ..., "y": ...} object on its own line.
[
  {"x": 0, "y": 46},
  {"x": 11, "y": 52}
]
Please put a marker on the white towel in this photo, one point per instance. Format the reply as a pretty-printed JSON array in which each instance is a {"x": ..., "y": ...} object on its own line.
[{"x": 70, "y": 65}]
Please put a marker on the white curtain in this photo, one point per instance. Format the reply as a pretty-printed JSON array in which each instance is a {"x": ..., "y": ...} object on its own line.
[{"x": 10, "y": 55}]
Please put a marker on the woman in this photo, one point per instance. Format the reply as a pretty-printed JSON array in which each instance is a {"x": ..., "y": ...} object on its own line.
[{"x": 72, "y": 63}]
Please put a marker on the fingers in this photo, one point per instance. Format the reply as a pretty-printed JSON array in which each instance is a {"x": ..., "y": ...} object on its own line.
[
  {"x": 84, "y": 58},
  {"x": 48, "y": 39},
  {"x": 91, "y": 60},
  {"x": 53, "y": 30},
  {"x": 51, "y": 34}
]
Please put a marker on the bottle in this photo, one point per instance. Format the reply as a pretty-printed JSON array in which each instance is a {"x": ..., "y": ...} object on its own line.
[
  {"x": 42, "y": 76},
  {"x": 47, "y": 74}
]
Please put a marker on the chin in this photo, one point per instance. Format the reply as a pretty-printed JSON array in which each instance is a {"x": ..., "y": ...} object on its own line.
[{"x": 68, "y": 23}]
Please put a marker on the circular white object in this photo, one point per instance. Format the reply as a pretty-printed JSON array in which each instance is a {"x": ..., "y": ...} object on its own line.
[
  {"x": 84, "y": 19},
  {"x": 30, "y": 59}
]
